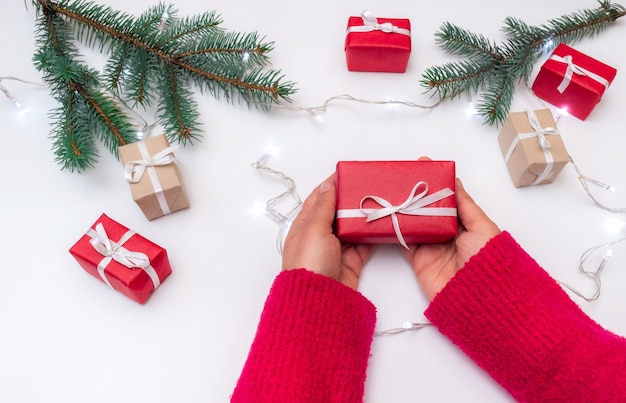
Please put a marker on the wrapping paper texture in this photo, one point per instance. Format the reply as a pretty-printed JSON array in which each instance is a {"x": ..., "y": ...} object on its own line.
[
  {"x": 583, "y": 92},
  {"x": 135, "y": 283},
  {"x": 377, "y": 51},
  {"x": 143, "y": 192},
  {"x": 393, "y": 181},
  {"x": 528, "y": 160}
]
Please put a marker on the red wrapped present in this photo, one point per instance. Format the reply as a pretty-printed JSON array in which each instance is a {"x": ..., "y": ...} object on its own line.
[
  {"x": 573, "y": 81},
  {"x": 396, "y": 201},
  {"x": 378, "y": 44},
  {"x": 123, "y": 259}
]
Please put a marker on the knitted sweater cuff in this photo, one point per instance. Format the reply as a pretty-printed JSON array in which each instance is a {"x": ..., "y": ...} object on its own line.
[
  {"x": 313, "y": 342},
  {"x": 509, "y": 316}
]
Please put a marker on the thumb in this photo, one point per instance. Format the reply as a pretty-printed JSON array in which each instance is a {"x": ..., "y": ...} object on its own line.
[
  {"x": 326, "y": 203},
  {"x": 470, "y": 214},
  {"x": 318, "y": 210}
]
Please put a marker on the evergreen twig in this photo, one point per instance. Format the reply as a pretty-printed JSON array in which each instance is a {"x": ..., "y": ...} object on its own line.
[
  {"x": 153, "y": 58},
  {"x": 494, "y": 69}
]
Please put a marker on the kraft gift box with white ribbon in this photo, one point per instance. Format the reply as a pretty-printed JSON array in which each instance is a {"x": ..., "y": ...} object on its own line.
[
  {"x": 377, "y": 44},
  {"x": 400, "y": 202},
  {"x": 152, "y": 172},
  {"x": 122, "y": 259},
  {"x": 573, "y": 81},
  {"x": 532, "y": 147}
]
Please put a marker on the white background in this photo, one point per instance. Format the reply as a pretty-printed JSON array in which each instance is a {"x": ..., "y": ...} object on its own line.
[{"x": 66, "y": 337}]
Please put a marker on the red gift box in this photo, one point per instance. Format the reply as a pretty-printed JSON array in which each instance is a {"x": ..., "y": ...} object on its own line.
[
  {"x": 378, "y": 44},
  {"x": 402, "y": 202},
  {"x": 123, "y": 259},
  {"x": 573, "y": 81}
]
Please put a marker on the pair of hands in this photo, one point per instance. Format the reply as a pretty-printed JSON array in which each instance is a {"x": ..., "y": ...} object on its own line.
[{"x": 311, "y": 243}]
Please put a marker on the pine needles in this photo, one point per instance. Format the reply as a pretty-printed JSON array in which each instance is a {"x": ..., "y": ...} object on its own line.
[
  {"x": 154, "y": 59},
  {"x": 493, "y": 70}
]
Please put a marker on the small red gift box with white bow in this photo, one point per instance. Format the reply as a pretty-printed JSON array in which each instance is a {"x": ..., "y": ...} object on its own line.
[
  {"x": 121, "y": 258},
  {"x": 378, "y": 44},
  {"x": 405, "y": 202},
  {"x": 573, "y": 81}
]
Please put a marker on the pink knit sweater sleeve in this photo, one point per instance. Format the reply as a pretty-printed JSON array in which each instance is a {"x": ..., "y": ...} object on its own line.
[
  {"x": 508, "y": 315},
  {"x": 312, "y": 343}
]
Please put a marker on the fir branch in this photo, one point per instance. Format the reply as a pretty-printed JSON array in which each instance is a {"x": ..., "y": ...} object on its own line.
[
  {"x": 177, "y": 109},
  {"x": 456, "y": 40},
  {"x": 494, "y": 69},
  {"x": 78, "y": 13},
  {"x": 154, "y": 57},
  {"x": 73, "y": 145},
  {"x": 85, "y": 109},
  {"x": 496, "y": 101},
  {"x": 191, "y": 30},
  {"x": 453, "y": 79}
]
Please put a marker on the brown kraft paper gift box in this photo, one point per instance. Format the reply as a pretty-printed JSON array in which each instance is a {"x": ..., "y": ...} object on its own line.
[
  {"x": 157, "y": 190},
  {"x": 529, "y": 140}
]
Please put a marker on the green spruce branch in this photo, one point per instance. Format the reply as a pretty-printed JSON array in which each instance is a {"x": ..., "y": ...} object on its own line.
[
  {"x": 493, "y": 70},
  {"x": 155, "y": 58}
]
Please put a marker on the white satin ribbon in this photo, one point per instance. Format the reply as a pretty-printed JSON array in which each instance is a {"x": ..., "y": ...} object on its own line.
[
  {"x": 370, "y": 23},
  {"x": 575, "y": 69},
  {"x": 413, "y": 205},
  {"x": 115, "y": 251},
  {"x": 540, "y": 133},
  {"x": 134, "y": 170}
]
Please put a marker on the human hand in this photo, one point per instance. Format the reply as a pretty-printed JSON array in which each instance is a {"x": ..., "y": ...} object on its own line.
[
  {"x": 312, "y": 245},
  {"x": 435, "y": 264}
]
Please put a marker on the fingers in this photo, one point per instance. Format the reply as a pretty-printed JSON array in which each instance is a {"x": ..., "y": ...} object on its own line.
[
  {"x": 409, "y": 252},
  {"x": 318, "y": 210},
  {"x": 364, "y": 251},
  {"x": 317, "y": 213},
  {"x": 326, "y": 204}
]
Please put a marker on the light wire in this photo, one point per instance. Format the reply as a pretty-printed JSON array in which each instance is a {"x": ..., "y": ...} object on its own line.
[
  {"x": 284, "y": 220},
  {"x": 313, "y": 110}
]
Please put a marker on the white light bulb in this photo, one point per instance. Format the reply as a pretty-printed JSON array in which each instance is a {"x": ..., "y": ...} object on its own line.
[
  {"x": 245, "y": 57},
  {"x": 614, "y": 226},
  {"x": 272, "y": 150},
  {"x": 258, "y": 209},
  {"x": 548, "y": 45},
  {"x": 164, "y": 18},
  {"x": 470, "y": 110},
  {"x": 392, "y": 105}
]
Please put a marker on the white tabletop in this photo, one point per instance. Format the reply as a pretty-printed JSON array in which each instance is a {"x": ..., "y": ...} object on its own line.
[{"x": 67, "y": 337}]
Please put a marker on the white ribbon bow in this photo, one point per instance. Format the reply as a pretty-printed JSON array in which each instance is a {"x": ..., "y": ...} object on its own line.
[
  {"x": 575, "y": 69},
  {"x": 370, "y": 23},
  {"x": 540, "y": 133},
  {"x": 134, "y": 170},
  {"x": 115, "y": 251},
  {"x": 413, "y": 205}
]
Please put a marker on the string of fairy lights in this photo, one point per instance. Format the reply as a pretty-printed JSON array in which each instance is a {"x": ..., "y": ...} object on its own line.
[{"x": 293, "y": 200}]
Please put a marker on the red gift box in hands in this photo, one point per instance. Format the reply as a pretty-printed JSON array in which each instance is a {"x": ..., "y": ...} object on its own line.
[{"x": 402, "y": 202}]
